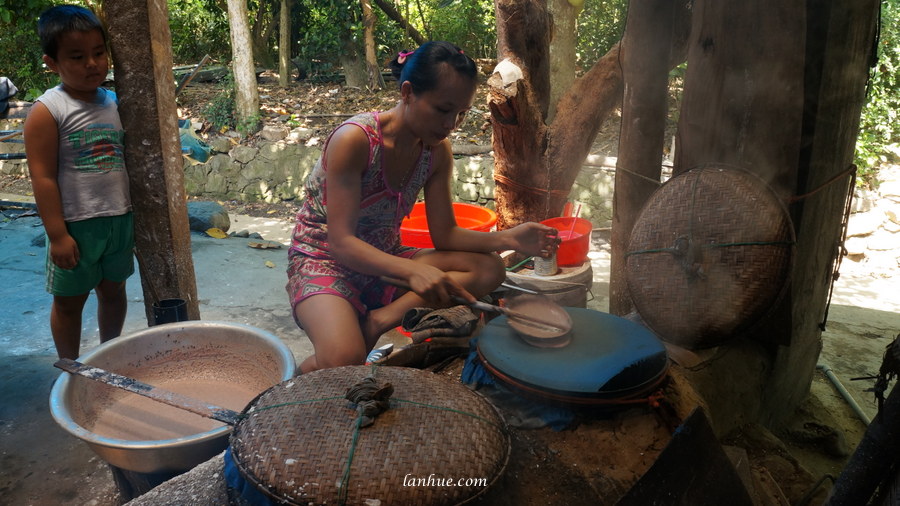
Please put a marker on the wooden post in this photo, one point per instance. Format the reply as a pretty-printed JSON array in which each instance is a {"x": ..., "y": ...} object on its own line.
[
  {"x": 645, "y": 68},
  {"x": 141, "y": 47},
  {"x": 743, "y": 90},
  {"x": 777, "y": 88},
  {"x": 840, "y": 40}
]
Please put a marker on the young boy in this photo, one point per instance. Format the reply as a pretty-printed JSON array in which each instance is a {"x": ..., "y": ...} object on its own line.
[{"x": 74, "y": 146}]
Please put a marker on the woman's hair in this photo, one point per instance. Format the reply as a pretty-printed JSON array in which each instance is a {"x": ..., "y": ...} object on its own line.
[
  {"x": 61, "y": 19},
  {"x": 421, "y": 67}
]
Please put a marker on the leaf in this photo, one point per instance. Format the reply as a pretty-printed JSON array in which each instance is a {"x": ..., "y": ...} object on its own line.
[
  {"x": 264, "y": 244},
  {"x": 270, "y": 264},
  {"x": 216, "y": 233}
]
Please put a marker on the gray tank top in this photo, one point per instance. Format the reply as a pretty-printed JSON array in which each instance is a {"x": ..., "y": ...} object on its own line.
[{"x": 91, "y": 162}]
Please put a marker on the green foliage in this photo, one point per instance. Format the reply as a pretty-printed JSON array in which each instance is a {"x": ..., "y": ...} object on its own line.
[
  {"x": 220, "y": 111},
  {"x": 21, "y": 49},
  {"x": 879, "y": 136},
  {"x": 323, "y": 27},
  {"x": 470, "y": 24},
  {"x": 249, "y": 125},
  {"x": 199, "y": 27},
  {"x": 600, "y": 25}
]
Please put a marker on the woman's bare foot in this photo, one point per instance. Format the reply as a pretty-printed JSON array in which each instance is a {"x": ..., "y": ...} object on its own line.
[{"x": 376, "y": 323}]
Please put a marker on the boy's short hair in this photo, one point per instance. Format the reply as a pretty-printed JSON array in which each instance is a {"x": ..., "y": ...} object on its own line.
[{"x": 61, "y": 19}]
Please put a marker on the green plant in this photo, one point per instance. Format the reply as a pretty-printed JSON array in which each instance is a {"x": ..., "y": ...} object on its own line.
[
  {"x": 600, "y": 25},
  {"x": 294, "y": 121},
  {"x": 21, "y": 49},
  {"x": 220, "y": 110},
  {"x": 470, "y": 24},
  {"x": 198, "y": 27},
  {"x": 249, "y": 125},
  {"x": 879, "y": 133}
]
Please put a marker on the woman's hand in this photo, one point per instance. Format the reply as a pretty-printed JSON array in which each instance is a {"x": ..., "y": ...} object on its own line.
[
  {"x": 436, "y": 286},
  {"x": 535, "y": 239}
]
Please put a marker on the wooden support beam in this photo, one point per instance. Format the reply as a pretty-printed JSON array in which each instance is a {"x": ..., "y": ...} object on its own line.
[
  {"x": 743, "y": 90},
  {"x": 776, "y": 88},
  {"x": 840, "y": 40},
  {"x": 142, "y": 54},
  {"x": 645, "y": 68}
]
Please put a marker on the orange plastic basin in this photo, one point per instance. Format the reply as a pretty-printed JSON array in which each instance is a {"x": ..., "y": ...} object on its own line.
[
  {"x": 414, "y": 228},
  {"x": 576, "y": 240}
]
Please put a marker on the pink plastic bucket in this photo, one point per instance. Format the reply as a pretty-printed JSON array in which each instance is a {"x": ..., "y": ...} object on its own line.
[{"x": 576, "y": 240}]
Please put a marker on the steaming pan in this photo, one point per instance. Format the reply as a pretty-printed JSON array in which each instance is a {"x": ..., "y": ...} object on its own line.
[
  {"x": 608, "y": 357},
  {"x": 546, "y": 309}
]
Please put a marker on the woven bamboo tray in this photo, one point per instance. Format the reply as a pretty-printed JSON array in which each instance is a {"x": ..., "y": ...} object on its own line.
[
  {"x": 438, "y": 443},
  {"x": 710, "y": 254}
]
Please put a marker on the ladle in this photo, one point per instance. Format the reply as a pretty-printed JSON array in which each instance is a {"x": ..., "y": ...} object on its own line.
[
  {"x": 162, "y": 395},
  {"x": 525, "y": 319}
]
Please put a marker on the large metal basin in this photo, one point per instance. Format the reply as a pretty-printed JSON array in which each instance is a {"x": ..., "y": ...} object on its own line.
[{"x": 236, "y": 360}]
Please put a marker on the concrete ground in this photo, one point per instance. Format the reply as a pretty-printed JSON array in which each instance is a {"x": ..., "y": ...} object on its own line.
[{"x": 41, "y": 464}]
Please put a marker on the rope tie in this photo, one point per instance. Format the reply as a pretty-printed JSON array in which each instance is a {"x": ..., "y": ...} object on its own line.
[
  {"x": 656, "y": 182},
  {"x": 369, "y": 399},
  {"x": 499, "y": 178},
  {"x": 851, "y": 170}
]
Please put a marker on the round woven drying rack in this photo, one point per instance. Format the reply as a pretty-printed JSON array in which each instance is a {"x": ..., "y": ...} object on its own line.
[
  {"x": 303, "y": 442},
  {"x": 710, "y": 254}
]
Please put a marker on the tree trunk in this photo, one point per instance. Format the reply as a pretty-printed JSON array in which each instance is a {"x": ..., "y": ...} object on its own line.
[
  {"x": 142, "y": 49},
  {"x": 373, "y": 70},
  {"x": 284, "y": 44},
  {"x": 535, "y": 164},
  {"x": 354, "y": 65},
  {"x": 246, "y": 92},
  {"x": 645, "y": 64},
  {"x": 840, "y": 39},
  {"x": 562, "y": 50},
  {"x": 261, "y": 32},
  {"x": 395, "y": 15}
]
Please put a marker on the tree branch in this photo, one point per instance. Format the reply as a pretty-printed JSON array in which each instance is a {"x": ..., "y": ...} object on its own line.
[{"x": 395, "y": 15}]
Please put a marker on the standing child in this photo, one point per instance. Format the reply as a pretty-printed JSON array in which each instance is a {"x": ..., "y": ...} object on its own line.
[
  {"x": 368, "y": 177},
  {"x": 74, "y": 146}
]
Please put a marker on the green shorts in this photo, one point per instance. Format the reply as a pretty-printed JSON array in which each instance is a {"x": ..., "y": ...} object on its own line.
[{"x": 106, "y": 251}]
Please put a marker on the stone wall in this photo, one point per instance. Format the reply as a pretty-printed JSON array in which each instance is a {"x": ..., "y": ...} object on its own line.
[
  {"x": 276, "y": 168},
  {"x": 873, "y": 232}
]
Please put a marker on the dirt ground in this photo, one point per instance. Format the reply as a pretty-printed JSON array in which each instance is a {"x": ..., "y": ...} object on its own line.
[{"x": 52, "y": 467}]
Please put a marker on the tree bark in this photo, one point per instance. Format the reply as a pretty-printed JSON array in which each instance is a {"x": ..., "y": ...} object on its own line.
[
  {"x": 354, "y": 65},
  {"x": 536, "y": 164},
  {"x": 562, "y": 50},
  {"x": 395, "y": 15},
  {"x": 246, "y": 92},
  {"x": 284, "y": 44},
  {"x": 744, "y": 90},
  {"x": 261, "y": 32},
  {"x": 375, "y": 81},
  {"x": 142, "y": 49}
]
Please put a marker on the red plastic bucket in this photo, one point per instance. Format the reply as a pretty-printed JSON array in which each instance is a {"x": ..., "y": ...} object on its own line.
[
  {"x": 576, "y": 240},
  {"x": 414, "y": 228}
]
